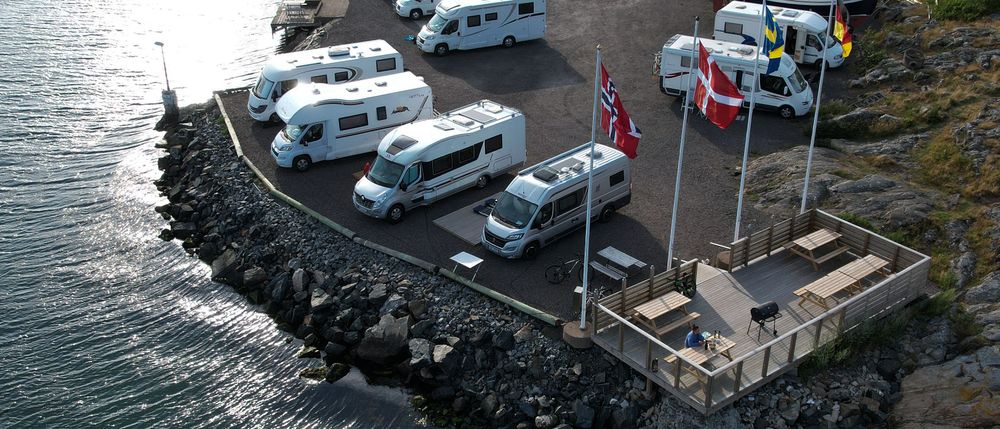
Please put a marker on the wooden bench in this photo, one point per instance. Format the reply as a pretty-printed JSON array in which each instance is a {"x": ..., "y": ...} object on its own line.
[{"x": 687, "y": 319}]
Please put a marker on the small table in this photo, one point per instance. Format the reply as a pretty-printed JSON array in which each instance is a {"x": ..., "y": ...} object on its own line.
[
  {"x": 806, "y": 246},
  {"x": 620, "y": 259},
  {"x": 647, "y": 313},
  {"x": 699, "y": 356},
  {"x": 468, "y": 261},
  {"x": 819, "y": 291}
]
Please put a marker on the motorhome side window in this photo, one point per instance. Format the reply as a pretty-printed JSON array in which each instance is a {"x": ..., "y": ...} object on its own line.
[
  {"x": 733, "y": 28},
  {"x": 494, "y": 143},
  {"x": 354, "y": 121},
  {"x": 526, "y": 8},
  {"x": 450, "y": 28},
  {"x": 287, "y": 85},
  {"x": 617, "y": 178},
  {"x": 492, "y": 16},
  {"x": 385, "y": 64},
  {"x": 569, "y": 202},
  {"x": 412, "y": 174},
  {"x": 314, "y": 133},
  {"x": 341, "y": 76},
  {"x": 440, "y": 166},
  {"x": 813, "y": 42},
  {"x": 380, "y": 113},
  {"x": 774, "y": 85},
  {"x": 318, "y": 79},
  {"x": 473, "y": 21},
  {"x": 544, "y": 215},
  {"x": 685, "y": 61}
]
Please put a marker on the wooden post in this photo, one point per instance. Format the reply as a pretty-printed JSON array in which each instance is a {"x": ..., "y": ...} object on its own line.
[
  {"x": 791, "y": 347},
  {"x": 677, "y": 373},
  {"x": 840, "y": 224},
  {"x": 812, "y": 219},
  {"x": 746, "y": 251},
  {"x": 819, "y": 330},
  {"x": 840, "y": 323},
  {"x": 895, "y": 258},
  {"x": 770, "y": 235},
  {"x": 791, "y": 229},
  {"x": 649, "y": 354},
  {"x": 739, "y": 376},
  {"x": 767, "y": 361},
  {"x": 621, "y": 311},
  {"x": 708, "y": 392},
  {"x": 868, "y": 239},
  {"x": 593, "y": 317},
  {"x": 621, "y": 326},
  {"x": 652, "y": 274}
]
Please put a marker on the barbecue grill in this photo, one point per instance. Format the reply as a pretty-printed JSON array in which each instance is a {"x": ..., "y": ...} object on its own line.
[{"x": 766, "y": 312}]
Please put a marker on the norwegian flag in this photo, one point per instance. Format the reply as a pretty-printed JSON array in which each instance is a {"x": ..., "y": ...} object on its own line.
[
  {"x": 615, "y": 120},
  {"x": 716, "y": 96}
]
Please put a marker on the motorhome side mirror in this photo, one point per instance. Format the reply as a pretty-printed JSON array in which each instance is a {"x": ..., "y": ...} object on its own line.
[{"x": 403, "y": 186}]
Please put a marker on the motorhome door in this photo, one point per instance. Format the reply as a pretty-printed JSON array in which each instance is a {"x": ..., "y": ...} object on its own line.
[
  {"x": 473, "y": 32},
  {"x": 411, "y": 185},
  {"x": 315, "y": 142}
]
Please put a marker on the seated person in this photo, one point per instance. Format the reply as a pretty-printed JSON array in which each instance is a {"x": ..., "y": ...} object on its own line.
[{"x": 694, "y": 338}]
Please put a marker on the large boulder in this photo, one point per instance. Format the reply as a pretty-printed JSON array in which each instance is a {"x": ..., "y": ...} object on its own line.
[
  {"x": 447, "y": 359},
  {"x": 959, "y": 393},
  {"x": 224, "y": 264},
  {"x": 384, "y": 342},
  {"x": 988, "y": 292},
  {"x": 254, "y": 277},
  {"x": 420, "y": 353},
  {"x": 321, "y": 300}
]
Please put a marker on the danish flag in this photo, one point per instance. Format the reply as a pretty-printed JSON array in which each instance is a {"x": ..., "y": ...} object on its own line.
[
  {"x": 716, "y": 96},
  {"x": 615, "y": 120}
]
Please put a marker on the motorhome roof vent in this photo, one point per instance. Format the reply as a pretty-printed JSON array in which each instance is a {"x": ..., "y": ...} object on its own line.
[
  {"x": 492, "y": 107},
  {"x": 546, "y": 174},
  {"x": 380, "y": 83},
  {"x": 740, "y": 6},
  {"x": 478, "y": 116},
  {"x": 338, "y": 51},
  {"x": 578, "y": 167},
  {"x": 745, "y": 50},
  {"x": 597, "y": 154},
  {"x": 790, "y": 13},
  {"x": 463, "y": 121},
  {"x": 443, "y": 126},
  {"x": 400, "y": 144},
  {"x": 352, "y": 89},
  {"x": 376, "y": 48}
]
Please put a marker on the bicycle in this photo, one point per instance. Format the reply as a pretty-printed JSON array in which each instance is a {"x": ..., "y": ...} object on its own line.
[{"x": 556, "y": 273}]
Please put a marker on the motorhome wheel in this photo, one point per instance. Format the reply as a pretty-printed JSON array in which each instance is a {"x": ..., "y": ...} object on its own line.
[
  {"x": 441, "y": 50},
  {"x": 483, "y": 181},
  {"x": 416, "y": 14},
  {"x": 530, "y": 251},
  {"x": 302, "y": 162},
  {"x": 274, "y": 119},
  {"x": 607, "y": 213},
  {"x": 395, "y": 214},
  {"x": 786, "y": 112},
  {"x": 508, "y": 42}
]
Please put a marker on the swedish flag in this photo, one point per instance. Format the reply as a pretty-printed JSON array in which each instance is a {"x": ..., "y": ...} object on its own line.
[{"x": 774, "y": 43}]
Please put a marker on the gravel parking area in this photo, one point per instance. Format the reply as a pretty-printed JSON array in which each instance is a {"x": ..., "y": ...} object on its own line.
[{"x": 550, "y": 80}]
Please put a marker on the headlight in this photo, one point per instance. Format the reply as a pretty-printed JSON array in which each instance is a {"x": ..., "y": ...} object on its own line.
[
  {"x": 285, "y": 148},
  {"x": 515, "y": 236},
  {"x": 378, "y": 202}
]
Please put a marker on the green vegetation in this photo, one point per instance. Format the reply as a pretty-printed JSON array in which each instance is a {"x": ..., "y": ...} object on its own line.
[
  {"x": 962, "y": 10},
  {"x": 833, "y": 108},
  {"x": 857, "y": 220}
]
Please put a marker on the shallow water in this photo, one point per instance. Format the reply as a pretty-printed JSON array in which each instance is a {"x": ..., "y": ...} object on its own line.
[{"x": 101, "y": 323}]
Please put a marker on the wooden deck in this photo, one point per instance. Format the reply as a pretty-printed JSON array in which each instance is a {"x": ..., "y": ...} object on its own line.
[
  {"x": 724, "y": 300},
  {"x": 307, "y": 14}
]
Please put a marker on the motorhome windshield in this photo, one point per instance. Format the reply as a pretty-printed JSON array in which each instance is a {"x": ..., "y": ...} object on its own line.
[
  {"x": 513, "y": 210},
  {"x": 437, "y": 23},
  {"x": 263, "y": 87},
  {"x": 797, "y": 82},
  {"x": 385, "y": 173},
  {"x": 292, "y": 132},
  {"x": 828, "y": 41}
]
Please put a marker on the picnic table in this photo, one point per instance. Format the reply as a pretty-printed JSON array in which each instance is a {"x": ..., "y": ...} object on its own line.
[
  {"x": 847, "y": 277},
  {"x": 699, "y": 356},
  {"x": 806, "y": 246},
  {"x": 648, "y": 312},
  {"x": 618, "y": 266},
  {"x": 859, "y": 269}
]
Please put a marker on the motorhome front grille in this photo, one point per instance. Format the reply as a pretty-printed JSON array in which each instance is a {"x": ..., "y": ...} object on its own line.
[
  {"x": 494, "y": 239},
  {"x": 364, "y": 202}
]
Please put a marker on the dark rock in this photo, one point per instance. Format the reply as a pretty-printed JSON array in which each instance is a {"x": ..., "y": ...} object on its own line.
[
  {"x": 460, "y": 404},
  {"x": 504, "y": 341},
  {"x": 527, "y": 409},
  {"x": 584, "y": 415},
  {"x": 310, "y": 340},
  {"x": 308, "y": 352},
  {"x": 254, "y": 277},
  {"x": 489, "y": 404},
  {"x": 183, "y": 230},
  {"x": 337, "y": 371},
  {"x": 316, "y": 373},
  {"x": 446, "y": 358},
  {"x": 443, "y": 393},
  {"x": 352, "y": 337},
  {"x": 321, "y": 300},
  {"x": 334, "y": 350},
  {"x": 385, "y": 341},
  {"x": 421, "y": 328},
  {"x": 417, "y": 307},
  {"x": 547, "y": 421},
  {"x": 378, "y": 295},
  {"x": 481, "y": 337},
  {"x": 300, "y": 296},
  {"x": 420, "y": 353},
  {"x": 888, "y": 368},
  {"x": 166, "y": 235},
  {"x": 300, "y": 278},
  {"x": 395, "y": 302},
  {"x": 224, "y": 264}
]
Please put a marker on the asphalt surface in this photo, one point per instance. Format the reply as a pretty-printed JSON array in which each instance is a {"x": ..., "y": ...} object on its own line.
[{"x": 551, "y": 81}]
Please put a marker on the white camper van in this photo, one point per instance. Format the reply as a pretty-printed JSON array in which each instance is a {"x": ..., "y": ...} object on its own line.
[
  {"x": 547, "y": 201},
  {"x": 785, "y": 91},
  {"x": 425, "y": 161},
  {"x": 415, "y": 9},
  {"x": 336, "y": 64},
  {"x": 327, "y": 122},
  {"x": 471, "y": 24},
  {"x": 805, "y": 32}
]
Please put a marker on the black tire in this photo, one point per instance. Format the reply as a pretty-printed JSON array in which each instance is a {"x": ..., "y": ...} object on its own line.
[
  {"x": 395, "y": 214},
  {"x": 441, "y": 49},
  {"x": 553, "y": 274},
  {"x": 530, "y": 251},
  {"x": 786, "y": 112},
  {"x": 483, "y": 181},
  {"x": 508, "y": 42},
  {"x": 416, "y": 14},
  {"x": 302, "y": 163},
  {"x": 607, "y": 213}
]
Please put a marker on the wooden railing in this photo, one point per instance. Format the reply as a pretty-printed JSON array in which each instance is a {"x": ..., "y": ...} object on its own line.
[{"x": 630, "y": 296}]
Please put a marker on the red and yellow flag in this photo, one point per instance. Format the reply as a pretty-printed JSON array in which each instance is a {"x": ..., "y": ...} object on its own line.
[{"x": 841, "y": 33}]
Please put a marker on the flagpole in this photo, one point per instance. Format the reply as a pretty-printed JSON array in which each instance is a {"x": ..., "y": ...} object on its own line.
[
  {"x": 819, "y": 94},
  {"x": 680, "y": 152},
  {"x": 590, "y": 185},
  {"x": 746, "y": 144}
]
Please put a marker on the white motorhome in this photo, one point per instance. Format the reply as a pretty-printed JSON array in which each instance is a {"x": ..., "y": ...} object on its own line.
[
  {"x": 415, "y": 9},
  {"x": 805, "y": 32},
  {"x": 785, "y": 91},
  {"x": 425, "y": 161},
  {"x": 547, "y": 201},
  {"x": 327, "y": 122},
  {"x": 336, "y": 64},
  {"x": 471, "y": 24}
]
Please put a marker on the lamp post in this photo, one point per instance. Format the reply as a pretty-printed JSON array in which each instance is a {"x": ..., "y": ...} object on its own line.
[{"x": 170, "y": 110}]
